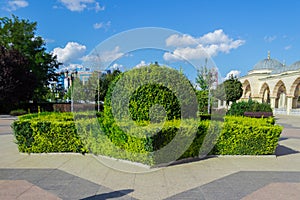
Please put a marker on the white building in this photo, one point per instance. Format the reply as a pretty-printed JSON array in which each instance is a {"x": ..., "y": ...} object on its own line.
[{"x": 273, "y": 82}]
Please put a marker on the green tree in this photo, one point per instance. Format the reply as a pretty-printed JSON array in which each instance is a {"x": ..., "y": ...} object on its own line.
[
  {"x": 104, "y": 82},
  {"x": 202, "y": 97},
  {"x": 97, "y": 84},
  {"x": 14, "y": 77},
  {"x": 233, "y": 89},
  {"x": 219, "y": 92},
  {"x": 19, "y": 35},
  {"x": 205, "y": 79}
]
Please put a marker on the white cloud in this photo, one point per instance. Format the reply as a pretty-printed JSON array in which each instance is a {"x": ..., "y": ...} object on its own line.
[
  {"x": 13, "y": 5},
  {"x": 235, "y": 73},
  {"x": 109, "y": 56},
  {"x": 190, "y": 53},
  {"x": 48, "y": 40},
  {"x": 178, "y": 41},
  {"x": 103, "y": 57},
  {"x": 141, "y": 64},
  {"x": 71, "y": 67},
  {"x": 98, "y": 7},
  {"x": 80, "y": 5},
  {"x": 71, "y": 52},
  {"x": 102, "y": 25},
  {"x": 216, "y": 37},
  {"x": 116, "y": 66},
  {"x": 288, "y": 47},
  {"x": 270, "y": 38},
  {"x": 210, "y": 44}
]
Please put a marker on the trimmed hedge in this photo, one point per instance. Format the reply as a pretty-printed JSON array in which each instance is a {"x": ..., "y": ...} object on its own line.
[
  {"x": 47, "y": 132},
  {"x": 248, "y": 136},
  {"x": 58, "y": 132}
]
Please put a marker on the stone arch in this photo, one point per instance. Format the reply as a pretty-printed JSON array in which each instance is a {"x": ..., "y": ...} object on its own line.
[
  {"x": 280, "y": 95},
  {"x": 246, "y": 89},
  {"x": 265, "y": 93},
  {"x": 295, "y": 91}
]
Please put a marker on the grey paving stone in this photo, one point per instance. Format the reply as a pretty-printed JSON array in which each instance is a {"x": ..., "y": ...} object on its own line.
[
  {"x": 79, "y": 188},
  {"x": 33, "y": 175},
  {"x": 237, "y": 185},
  {"x": 194, "y": 194},
  {"x": 10, "y": 174},
  {"x": 63, "y": 184}
]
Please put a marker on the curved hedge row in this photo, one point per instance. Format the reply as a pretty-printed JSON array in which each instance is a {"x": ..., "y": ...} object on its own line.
[{"x": 58, "y": 132}]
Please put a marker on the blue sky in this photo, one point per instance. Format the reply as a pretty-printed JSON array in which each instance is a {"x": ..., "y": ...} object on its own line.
[{"x": 237, "y": 34}]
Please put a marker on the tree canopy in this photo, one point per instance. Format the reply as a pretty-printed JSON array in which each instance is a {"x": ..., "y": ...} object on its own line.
[
  {"x": 23, "y": 49},
  {"x": 233, "y": 89}
]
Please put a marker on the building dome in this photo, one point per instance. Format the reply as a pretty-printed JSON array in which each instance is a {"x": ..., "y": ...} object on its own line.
[
  {"x": 268, "y": 63},
  {"x": 294, "y": 67}
]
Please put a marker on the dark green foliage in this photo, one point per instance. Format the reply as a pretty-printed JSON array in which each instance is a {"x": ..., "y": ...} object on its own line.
[
  {"x": 240, "y": 108},
  {"x": 15, "y": 79},
  {"x": 147, "y": 96},
  {"x": 105, "y": 81},
  {"x": 233, "y": 89},
  {"x": 32, "y": 66},
  {"x": 47, "y": 132},
  {"x": 142, "y": 88}
]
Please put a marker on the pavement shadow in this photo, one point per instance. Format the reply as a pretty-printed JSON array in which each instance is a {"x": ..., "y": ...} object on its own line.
[
  {"x": 283, "y": 150},
  {"x": 283, "y": 138},
  {"x": 109, "y": 195}
]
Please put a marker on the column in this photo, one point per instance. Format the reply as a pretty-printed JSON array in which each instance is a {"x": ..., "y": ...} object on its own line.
[
  {"x": 272, "y": 101},
  {"x": 289, "y": 104},
  {"x": 219, "y": 103}
]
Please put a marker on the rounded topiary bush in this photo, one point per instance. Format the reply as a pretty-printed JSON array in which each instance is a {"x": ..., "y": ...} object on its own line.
[
  {"x": 145, "y": 100},
  {"x": 133, "y": 94}
]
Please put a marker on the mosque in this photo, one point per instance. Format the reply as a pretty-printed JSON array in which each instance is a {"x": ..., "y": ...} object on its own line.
[{"x": 275, "y": 83}]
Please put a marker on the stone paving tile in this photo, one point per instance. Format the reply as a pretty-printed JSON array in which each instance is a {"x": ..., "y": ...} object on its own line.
[
  {"x": 57, "y": 182},
  {"x": 36, "y": 193},
  {"x": 21, "y": 189},
  {"x": 276, "y": 191},
  {"x": 241, "y": 184}
]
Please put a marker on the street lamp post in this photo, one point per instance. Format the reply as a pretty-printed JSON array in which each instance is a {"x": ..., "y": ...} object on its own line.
[
  {"x": 98, "y": 98},
  {"x": 70, "y": 82}
]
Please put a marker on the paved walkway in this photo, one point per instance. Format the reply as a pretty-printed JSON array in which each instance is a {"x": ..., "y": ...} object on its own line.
[{"x": 74, "y": 176}]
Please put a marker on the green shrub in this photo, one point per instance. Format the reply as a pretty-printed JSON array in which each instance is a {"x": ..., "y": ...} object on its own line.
[
  {"x": 248, "y": 136},
  {"x": 238, "y": 109},
  {"x": 140, "y": 142},
  {"x": 17, "y": 112},
  {"x": 142, "y": 88},
  {"x": 47, "y": 132}
]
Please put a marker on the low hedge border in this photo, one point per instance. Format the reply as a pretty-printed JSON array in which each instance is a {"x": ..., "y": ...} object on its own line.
[
  {"x": 47, "y": 132},
  {"x": 57, "y": 132}
]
